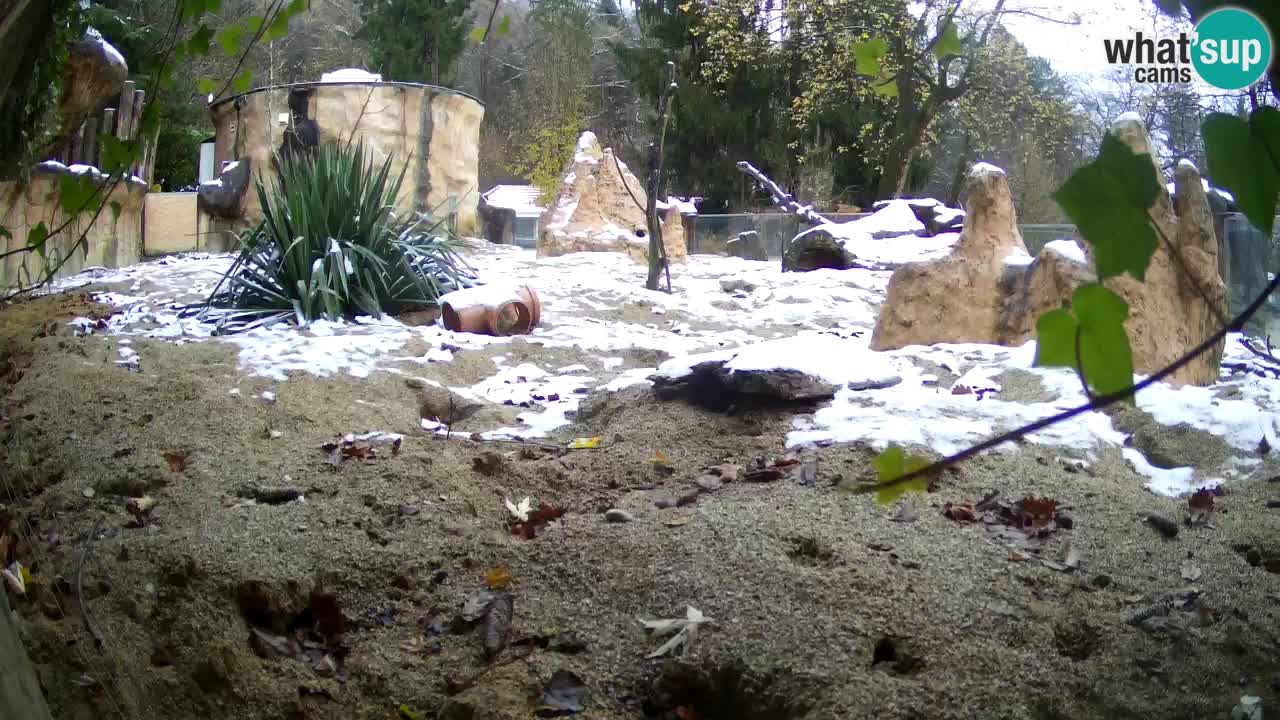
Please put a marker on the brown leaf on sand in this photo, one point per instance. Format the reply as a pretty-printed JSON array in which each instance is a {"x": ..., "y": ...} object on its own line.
[
  {"x": 498, "y": 578},
  {"x": 1201, "y": 500},
  {"x": 728, "y": 472},
  {"x": 538, "y": 518},
  {"x": 1037, "y": 512},
  {"x": 177, "y": 460},
  {"x": 960, "y": 512},
  {"x": 497, "y": 625}
]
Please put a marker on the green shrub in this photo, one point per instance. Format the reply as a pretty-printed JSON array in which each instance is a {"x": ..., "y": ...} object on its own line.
[{"x": 332, "y": 245}]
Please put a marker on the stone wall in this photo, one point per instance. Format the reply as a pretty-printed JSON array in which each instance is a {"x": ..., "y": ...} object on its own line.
[
  {"x": 112, "y": 241},
  {"x": 432, "y": 133}
]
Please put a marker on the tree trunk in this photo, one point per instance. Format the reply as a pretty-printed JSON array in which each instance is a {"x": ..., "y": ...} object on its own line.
[{"x": 962, "y": 170}]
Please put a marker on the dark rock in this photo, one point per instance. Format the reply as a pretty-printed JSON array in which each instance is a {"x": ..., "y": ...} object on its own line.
[
  {"x": 93, "y": 73},
  {"x": 747, "y": 246},
  {"x": 222, "y": 197},
  {"x": 815, "y": 249}
]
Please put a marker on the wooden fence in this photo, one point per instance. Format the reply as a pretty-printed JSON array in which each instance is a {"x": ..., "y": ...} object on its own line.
[{"x": 84, "y": 147}]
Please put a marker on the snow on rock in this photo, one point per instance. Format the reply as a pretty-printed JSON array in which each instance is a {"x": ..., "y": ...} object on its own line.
[
  {"x": 1209, "y": 189},
  {"x": 1068, "y": 249},
  {"x": 895, "y": 219},
  {"x": 795, "y": 368},
  {"x": 492, "y": 296},
  {"x": 350, "y": 75}
]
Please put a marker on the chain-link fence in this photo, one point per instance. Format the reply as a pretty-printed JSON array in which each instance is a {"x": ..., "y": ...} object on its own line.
[
  {"x": 1035, "y": 237},
  {"x": 1247, "y": 265}
]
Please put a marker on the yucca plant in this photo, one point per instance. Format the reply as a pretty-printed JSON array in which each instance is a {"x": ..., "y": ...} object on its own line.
[{"x": 332, "y": 245}]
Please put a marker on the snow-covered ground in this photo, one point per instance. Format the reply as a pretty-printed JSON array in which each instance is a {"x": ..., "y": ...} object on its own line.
[{"x": 596, "y": 304}]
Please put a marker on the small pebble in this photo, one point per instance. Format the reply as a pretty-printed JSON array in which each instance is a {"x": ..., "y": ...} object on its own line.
[
  {"x": 268, "y": 396},
  {"x": 1065, "y": 521},
  {"x": 1273, "y": 504},
  {"x": 615, "y": 515},
  {"x": 234, "y": 391},
  {"x": 87, "y": 492},
  {"x": 276, "y": 434},
  {"x": 664, "y": 502}
]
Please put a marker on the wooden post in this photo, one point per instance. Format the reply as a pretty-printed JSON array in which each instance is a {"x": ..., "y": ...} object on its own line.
[
  {"x": 89, "y": 145},
  {"x": 658, "y": 262},
  {"x": 108, "y": 123},
  {"x": 75, "y": 155},
  {"x": 124, "y": 122},
  {"x": 149, "y": 169},
  {"x": 20, "y": 695}
]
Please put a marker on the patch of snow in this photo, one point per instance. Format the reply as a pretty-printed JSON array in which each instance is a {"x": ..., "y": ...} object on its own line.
[
  {"x": 1208, "y": 188},
  {"x": 832, "y": 359},
  {"x": 1127, "y": 118},
  {"x": 946, "y": 215},
  {"x": 1068, "y": 249},
  {"x": 1018, "y": 257},
  {"x": 350, "y": 75},
  {"x": 95, "y": 37},
  {"x": 983, "y": 168},
  {"x": 895, "y": 218},
  {"x": 491, "y": 296},
  {"x": 1162, "y": 481}
]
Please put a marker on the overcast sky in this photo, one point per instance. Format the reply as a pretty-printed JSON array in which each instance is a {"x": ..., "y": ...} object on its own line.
[{"x": 1078, "y": 49}]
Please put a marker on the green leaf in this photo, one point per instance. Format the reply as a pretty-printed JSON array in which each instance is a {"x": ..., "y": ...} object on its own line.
[
  {"x": 75, "y": 193},
  {"x": 4, "y": 233},
  {"x": 253, "y": 24},
  {"x": 504, "y": 25},
  {"x": 1242, "y": 157},
  {"x": 888, "y": 88},
  {"x": 115, "y": 211},
  {"x": 1056, "y": 339},
  {"x": 892, "y": 464},
  {"x": 36, "y": 238},
  {"x": 296, "y": 7},
  {"x": 1109, "y": 200},
  {"x": 279, "y": 27},
  {"x": 231, "y": 38},
  {"x": 1095, "y": 325},
  {"x": 948, "y": 42},
  {"x": 116, "y": 154},
  {"x": 1105, "y": 356},
  {"x": 867, "y": 56},
  {"x": 208, "y": 86},
  {"x": 199, "y": 42},
  {"x": 243, "y": 81},
  {"x": 476, "y": 35}
]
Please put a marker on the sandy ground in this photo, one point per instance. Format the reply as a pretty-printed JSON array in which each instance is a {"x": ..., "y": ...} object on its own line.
[{"x": 822, "y": 604}]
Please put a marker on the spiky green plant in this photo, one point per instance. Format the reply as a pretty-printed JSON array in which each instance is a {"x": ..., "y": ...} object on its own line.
[{"x": 332, "y": 245}]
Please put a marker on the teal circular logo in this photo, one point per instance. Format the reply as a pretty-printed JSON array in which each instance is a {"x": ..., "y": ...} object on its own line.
[{"x": 1232, "y": 48}]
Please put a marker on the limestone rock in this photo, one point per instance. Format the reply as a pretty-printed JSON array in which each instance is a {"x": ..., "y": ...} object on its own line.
[
  {"x": 1005, "y": 293},
  {"x": 747, "y": 246},
  {"x": 94, "y": 72},
  {"x": 984, "y": 267},
  {"x": 936, "y": 217},
  {"x": 600, "y": 208},
  {"x": 817, "y": 248}
]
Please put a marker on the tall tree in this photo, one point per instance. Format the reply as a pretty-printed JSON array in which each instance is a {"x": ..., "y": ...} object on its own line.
[{"x": 415, "y": 40}]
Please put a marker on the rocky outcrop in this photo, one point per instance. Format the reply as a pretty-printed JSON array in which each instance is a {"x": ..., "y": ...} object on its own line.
[
  {"x": 94, "y": 73},
  {"x": 821, "y": 247},
  {"x": 600, "y": 208},
  {"x": 747, "y": 246},
  {"x": 1004, "y": 293},
  {"x": 1175, "y": 308},
  {"x": 924, "y": 300},
  {"x": 933, "y": 215}
]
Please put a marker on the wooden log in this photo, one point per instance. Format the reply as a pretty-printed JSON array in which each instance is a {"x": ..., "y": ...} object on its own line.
[
  {"x": 124, "y": 121},
  {"x": 781, "y": 198},
  {"x": 89, "y": 145},
  {"x": 108, "y": 124},
  {"x": 139, "y": 104},
  {"x": 149, "y": 168}
]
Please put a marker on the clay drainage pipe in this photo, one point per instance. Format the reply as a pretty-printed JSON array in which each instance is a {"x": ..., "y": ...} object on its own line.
[{"x": 491, "y": 310}]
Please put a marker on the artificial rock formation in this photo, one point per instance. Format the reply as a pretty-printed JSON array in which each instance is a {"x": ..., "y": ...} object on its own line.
[
  {"x": 600, "y": 208},
  {"x": 93, "y": 74},
  {"x": 959, "y": 298},
  {"x": 986, "y": 292}
]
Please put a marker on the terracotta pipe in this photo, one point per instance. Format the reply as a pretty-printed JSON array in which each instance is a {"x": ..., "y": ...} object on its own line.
[{"x": 491, "y": 310}]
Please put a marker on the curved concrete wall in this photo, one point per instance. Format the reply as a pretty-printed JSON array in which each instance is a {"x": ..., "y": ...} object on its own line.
[{"x": 436, "y": 132}]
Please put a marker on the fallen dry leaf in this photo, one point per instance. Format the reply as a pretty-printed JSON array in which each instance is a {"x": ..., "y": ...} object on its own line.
[
  {"x": 1201, "y": 500},
  {"x": 728, "y": 472},
  {"x": 960, "y": 512},
  {"x": 538, "y": 518},
  {"x": 271, "y": 647},
  {"x": 177, "y": 460},
  {"x": 677, "y": 521},
  {"x": 685, "y": 630},
  {"x": 1190, "y": 571},
  {"x": 565, "y": 694},
  {"x": 585, "y": 443},
  {"x": 498, "y": 578},
  {"x": 1037, "y": 512},
  {"x": 497, "y": 625}
]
